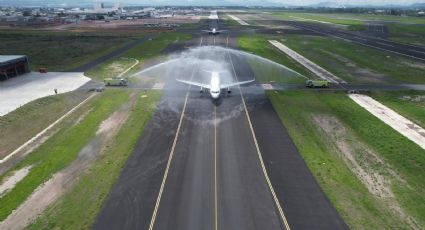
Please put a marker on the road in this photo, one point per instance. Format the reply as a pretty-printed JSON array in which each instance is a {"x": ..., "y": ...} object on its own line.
[{"x": 225, "y": 165}]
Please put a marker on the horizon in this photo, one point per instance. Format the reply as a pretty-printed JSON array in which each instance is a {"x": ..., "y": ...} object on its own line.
[{"x": 266, "y": 3}]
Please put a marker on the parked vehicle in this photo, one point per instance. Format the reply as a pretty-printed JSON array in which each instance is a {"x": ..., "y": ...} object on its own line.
[
  {"x": 317, "y": 83},
  {"x": 115, "y": 81}
]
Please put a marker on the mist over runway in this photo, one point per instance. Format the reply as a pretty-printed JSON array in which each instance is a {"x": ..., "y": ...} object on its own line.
[{"x": 205, "y": 165}]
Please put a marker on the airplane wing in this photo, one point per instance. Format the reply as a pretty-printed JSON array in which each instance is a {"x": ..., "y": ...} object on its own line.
[
  {"x": 221, "y": 31},
  {"x": 223, "y": 86},
  {"x": 205, "y": 86},
  {"x": 207, "y": 31}
]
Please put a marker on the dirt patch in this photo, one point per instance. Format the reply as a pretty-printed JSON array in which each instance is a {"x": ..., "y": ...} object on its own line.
[
  {"x": 360, "y": 74},
  {"x": 55, "y": 187},
  {"x": 10, "y": 182},
  {"x": 361, "y": 160},
  {"x": 416, "y": 98},
  {"x": 116, "y": 67},
  {"x": 34, "y": 144},
  {"x": 369, "y": 168}
]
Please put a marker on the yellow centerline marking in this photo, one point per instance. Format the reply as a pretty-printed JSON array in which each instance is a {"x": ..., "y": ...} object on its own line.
[
  {"x": 276, "y": 200},
  {"x": 167, "y": 168},
  {"x": 215, "y": 168}
]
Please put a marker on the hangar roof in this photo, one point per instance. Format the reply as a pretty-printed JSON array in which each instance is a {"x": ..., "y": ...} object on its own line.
[{"x": 8, "y": 58}]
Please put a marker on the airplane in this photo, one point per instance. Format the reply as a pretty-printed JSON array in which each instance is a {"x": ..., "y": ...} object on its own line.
[
  {"x": 215, "y": 86},
  {"x": 214, "y": 31}
]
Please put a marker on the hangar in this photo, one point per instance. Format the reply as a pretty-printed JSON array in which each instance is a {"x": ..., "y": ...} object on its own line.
[{"x": 12, "y": 66}]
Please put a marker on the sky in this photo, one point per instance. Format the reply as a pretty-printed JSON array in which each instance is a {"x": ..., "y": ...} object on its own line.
[{"x": 213, "y": 2}]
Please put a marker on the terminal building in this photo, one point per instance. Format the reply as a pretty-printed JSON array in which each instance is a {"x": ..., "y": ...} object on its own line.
[{"x": 12, "y": 66}]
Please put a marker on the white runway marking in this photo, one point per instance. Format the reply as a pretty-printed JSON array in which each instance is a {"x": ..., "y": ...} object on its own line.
[
  {"x": 307, "y": 19},
  {"x": 215, "y": 170},
  {"x": 170, "y": 158},
  {"x": 384, "y": 44},
  {"x": 364, "y": 44},
  {"x": 417, "y": 51},
  {"x": 260, "y": 157},
  {"x": 319, "y": 71},
  {"x": 401, "y": 124},
  {"x": 158, "y": 86},
  {"x": 240, "y": 21}
]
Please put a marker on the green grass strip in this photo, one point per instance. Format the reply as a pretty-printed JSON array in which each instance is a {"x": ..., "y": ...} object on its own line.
[
  {"x": 79, "y": 207},
  {"x": 353, "y": 201},
  {"x": 61, "y": 149}
]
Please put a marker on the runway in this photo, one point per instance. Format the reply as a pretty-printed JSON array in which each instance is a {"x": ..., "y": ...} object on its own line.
[
  {"x": 199, "y": 165},
  {"x": 411, "y": 51}
]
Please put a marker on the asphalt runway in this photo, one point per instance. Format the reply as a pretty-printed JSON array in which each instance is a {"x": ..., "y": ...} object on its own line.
[
  {"x": 211, "y": 162},
  {"x": 412, "y": 51}
]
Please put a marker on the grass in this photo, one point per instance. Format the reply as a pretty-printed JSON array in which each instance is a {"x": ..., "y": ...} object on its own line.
[
  {"x": 189, "y": 26},
  {"x": 359, "y": 208},
  {"x": 348, "y": 18},
  {"x": 404, "y": 33},
  {"x": 317, "y": 17},
  {"x": 59, "y": 51},
  {"x": 409, "y": 34},
  {"x": 62, "y": 148},
  {"x": 410, "y": 104},
  {"x": 25, "y": 122},
  {"x": 260, "y": 46},
  {"x": 228, "y": 21},
  {"x": 110, "y": 68},
  {"x": 149, "y": 49},
  {"x": 348, "y": 61},
  {"x": 79, "y": 207},
  {"x": 387, "y": 18},
  {"x": 152, "y": 48}
]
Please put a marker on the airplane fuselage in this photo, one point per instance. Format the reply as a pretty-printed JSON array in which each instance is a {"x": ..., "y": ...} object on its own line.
[
  {"x": 215, "y": 90},
  {"x": 215, "y": 86},
  {"x": 214, "y": 31}
]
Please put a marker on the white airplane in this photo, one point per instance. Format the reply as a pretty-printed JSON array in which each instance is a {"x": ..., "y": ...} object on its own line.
[
  {"x": 214, "y": 31},
  {"x": 215, "y": 86}
]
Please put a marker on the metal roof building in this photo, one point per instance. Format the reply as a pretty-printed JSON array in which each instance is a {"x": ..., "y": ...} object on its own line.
[{"x": 12, "y": 66}]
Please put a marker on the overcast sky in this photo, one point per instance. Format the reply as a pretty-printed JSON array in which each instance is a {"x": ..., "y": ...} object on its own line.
[{"x": 211, "y": 2}]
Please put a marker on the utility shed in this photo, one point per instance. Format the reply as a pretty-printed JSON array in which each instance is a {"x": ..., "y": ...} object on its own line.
[{"x": 12, "y": 66}]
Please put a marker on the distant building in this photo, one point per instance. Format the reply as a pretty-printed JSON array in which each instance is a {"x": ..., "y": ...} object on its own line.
[
  {"x": 98, "y": 6},
  {"x": 12, "y": 66}
]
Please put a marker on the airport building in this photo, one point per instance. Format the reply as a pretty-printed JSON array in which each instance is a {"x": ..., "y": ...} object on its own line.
[{"x": 12, "y": 66}]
